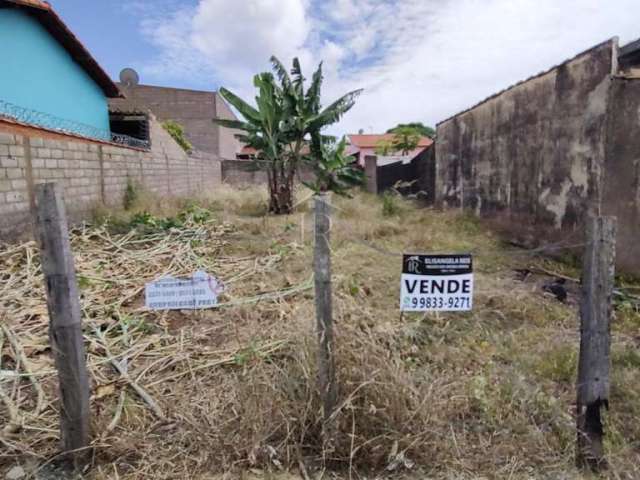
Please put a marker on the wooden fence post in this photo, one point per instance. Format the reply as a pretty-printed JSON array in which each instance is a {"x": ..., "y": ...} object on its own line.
[
  {"x": 65, "y": 328},
  {"x": 595, "y": 340},
  {"x": 324, "y": 319}
]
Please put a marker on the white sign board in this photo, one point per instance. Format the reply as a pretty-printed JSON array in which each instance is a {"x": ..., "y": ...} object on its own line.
[
  {"x": 436, "y": 283},
  {"x": 169, "y": 293}
]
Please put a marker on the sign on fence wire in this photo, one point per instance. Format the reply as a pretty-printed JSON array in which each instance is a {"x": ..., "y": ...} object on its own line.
[
  {"x": 201, "y": 290},
  {"x": 436, "y": 283}
]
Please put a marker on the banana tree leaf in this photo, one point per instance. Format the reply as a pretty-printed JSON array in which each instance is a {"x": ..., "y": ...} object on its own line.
[{"x": 246, "y": 110}]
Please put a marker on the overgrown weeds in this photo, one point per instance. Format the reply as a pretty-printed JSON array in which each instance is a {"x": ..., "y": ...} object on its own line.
[{"x": 486, "y": 394}]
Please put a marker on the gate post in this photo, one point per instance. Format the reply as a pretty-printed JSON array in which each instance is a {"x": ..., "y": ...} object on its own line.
[{"x": 371, "y": 172}]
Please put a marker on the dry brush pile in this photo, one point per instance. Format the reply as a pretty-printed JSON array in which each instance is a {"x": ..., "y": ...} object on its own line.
[{"x": 488, "y": 394}]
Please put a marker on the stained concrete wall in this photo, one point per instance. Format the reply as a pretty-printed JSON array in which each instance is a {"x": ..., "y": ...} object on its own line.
[
  {"x": 92, "y": 173},
  {"x": 531, "y": 157},
  {"x": 622, "y": 169},
  {"x": 194, "y": 110}
]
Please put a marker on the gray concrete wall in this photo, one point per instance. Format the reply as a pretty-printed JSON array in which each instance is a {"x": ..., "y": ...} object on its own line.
[
  {"x": 193, "y": 109},
  {"x": 242, "y": 172},
  {"x": 622, "y": 169},
  {"x": 531, "y": 156},
  {"x": 228, "y": 144},
  {"x": 246, "y": 172}
]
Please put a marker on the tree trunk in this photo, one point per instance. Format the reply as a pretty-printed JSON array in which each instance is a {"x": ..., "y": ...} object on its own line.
[{"x": 281, "y": 189}]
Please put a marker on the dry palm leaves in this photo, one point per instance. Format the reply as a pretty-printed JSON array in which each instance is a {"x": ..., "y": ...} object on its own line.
[{"x": 132, "y": 354}]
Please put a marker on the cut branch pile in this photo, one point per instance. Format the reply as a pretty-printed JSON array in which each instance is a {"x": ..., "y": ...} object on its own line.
[{"x": 135, "y": 356}]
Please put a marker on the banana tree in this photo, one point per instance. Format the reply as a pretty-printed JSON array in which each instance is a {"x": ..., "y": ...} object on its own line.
[
  {"x": 334, "y": 171},
  {"x": 286, "y": 126},
  {"x": 263, "y": 130}
]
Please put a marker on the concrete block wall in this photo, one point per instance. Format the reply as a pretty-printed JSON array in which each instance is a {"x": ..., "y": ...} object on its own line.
[
  {"x": 245, "y": 172},
  {"x": 14, "y": 196},
  {"x": 193, "y": 109},
  {"x": 92, "y": 173}
]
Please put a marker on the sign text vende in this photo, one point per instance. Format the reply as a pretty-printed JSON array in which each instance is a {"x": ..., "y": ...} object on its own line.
[{"x": 436, "y": 283}]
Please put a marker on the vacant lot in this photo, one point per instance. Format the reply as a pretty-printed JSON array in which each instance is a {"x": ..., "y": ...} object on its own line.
[{"x": 485, "y": 394}]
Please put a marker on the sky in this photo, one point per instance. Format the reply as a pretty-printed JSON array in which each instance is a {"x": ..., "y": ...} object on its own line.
[{"x": 417, "y": 60}]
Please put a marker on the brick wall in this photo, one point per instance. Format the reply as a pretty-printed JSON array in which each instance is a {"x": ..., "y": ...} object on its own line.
[
  {"x": 92, "y": 173},
  {"x": 193, "y": 109}
]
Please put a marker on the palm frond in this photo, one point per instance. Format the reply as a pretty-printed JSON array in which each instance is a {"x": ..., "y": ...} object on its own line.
[
  {"x": 296, "y": 71},
  {"x": 246, "y": 110},
  {"x": 281, "y": 72},
  {"x": 335, "y": 111},
  {"x": 235, "y": 124},
  {"x": 298, "y": 83},
  {"x": 313, "y": 94}
]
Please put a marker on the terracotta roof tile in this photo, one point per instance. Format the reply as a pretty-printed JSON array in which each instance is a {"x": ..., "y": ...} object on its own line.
[{"x": 32, "y": 3}]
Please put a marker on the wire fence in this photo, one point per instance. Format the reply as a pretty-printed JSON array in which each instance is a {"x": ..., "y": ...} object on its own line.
[{"x": 63, "y": 125}]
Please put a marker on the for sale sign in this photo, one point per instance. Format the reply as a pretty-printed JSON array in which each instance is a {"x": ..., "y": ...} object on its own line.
[
  {"x": 436, "y": 283},
  {"x": 201, "y": 290}
]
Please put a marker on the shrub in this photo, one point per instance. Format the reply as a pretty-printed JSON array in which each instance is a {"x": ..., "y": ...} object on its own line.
[
  {"x": 390, "y": 205},
  {"x": 177, "y": 133}
]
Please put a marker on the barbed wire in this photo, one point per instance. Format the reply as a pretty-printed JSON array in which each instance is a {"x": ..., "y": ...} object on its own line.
[
  {"x": 63, "y": 125},
  {"x": 130, "y": 141}
]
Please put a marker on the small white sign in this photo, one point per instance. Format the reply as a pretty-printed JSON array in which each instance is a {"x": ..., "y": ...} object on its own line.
[
  {"x": 436, "y": 283},
  {"x": 169, "y": 293}
]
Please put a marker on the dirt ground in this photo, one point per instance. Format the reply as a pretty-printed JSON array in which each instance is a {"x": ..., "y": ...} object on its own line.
[{"x": 231, "y": 391}]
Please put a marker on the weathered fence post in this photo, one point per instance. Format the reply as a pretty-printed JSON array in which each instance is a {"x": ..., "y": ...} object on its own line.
[
  {"x": 595, "y": 340},
  {"x": 324, "y": 319},
  {"x": 65, "y": 328}
]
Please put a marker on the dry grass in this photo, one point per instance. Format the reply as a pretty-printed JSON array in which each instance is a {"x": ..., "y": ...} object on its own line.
[{"x": 487, "y": 394}]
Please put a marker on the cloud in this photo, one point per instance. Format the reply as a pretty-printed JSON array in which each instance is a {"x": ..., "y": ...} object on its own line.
[
  {"x": 225, "y": 41},
  {"x": 249, "y": 31},
  {"x": 418, "y": 60}
]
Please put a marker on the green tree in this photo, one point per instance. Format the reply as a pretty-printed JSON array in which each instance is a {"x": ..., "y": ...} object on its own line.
[
  {"x": 288, "y": 117},
  {"x": 384, "y": 147},
  {"x": 422, "y": 129},
  {"x": 405, "y": 139},
  {"x": 264, "y": 129},
  {"x": 334, "y": 171}
]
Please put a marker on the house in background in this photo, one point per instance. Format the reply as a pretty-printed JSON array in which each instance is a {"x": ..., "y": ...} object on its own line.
[
  {"x": 48, "y": 78},
  {"x": 407, "y": 174},
  {"x": 363, "y": 145},
  {"x": 247, "y": 153},
  {"x": 193, "y": 109}
]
